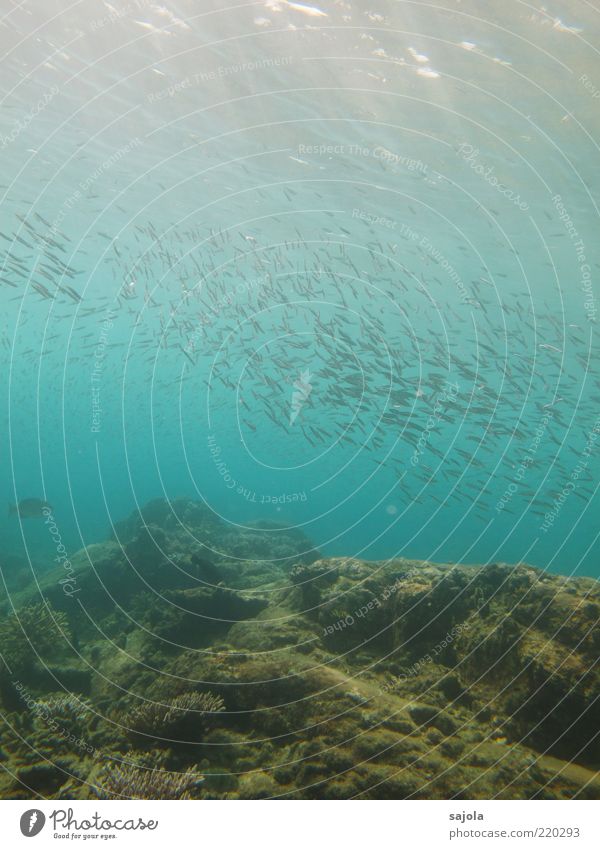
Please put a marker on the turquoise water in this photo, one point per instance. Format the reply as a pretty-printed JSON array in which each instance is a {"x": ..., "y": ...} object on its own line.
[{"x": 332, "y": 267}]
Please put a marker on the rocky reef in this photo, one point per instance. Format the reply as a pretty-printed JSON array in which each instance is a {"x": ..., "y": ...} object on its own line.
[{"x": 185, "y": 659}]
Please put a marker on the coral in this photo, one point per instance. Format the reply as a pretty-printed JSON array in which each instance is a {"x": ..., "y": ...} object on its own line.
[
  {"x": 33, "y": 628},
  {"x": 70, "y": 712},
  {"x": 185, "y": 714},
  {"x": 343, "y": 678},
  {"x": 132, "y": 781}
]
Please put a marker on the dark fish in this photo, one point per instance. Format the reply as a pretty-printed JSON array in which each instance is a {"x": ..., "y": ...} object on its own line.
[{"x": 29, "y": 508}]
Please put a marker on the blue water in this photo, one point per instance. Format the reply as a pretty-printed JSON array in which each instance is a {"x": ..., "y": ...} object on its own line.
[{"x": 322, "y": 273}]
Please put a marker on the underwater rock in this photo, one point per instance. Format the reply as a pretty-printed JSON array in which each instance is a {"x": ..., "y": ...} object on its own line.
[
  {"x": 311, "y": 579},
  {"x": 43, "y": 778},
  {"x": 65, "y": 709},
  {"x": 205, "y": 569},
  {"x": 180, "y": 524},
  {"x": 30, "y": 508},
  {"x": 16, "y": 572},
  {"x": 148, "y": 548},
  {"x": 275, "y": 629},
  {"x": 285, "y": 542},
  {"x": 423, "y": 714},
  {"x": 198, "y": 615},
  {"x": 153, "y": 550},
  {"x": 511, "y": 632},
  {"x": 183, "y": 717},
  {"x": 271, "y": 542},
  {"x": 128, "y": 781}
]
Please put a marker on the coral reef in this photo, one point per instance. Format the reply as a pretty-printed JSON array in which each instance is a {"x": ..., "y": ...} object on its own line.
[
  {"x": 342, "y": 678},
  {"x": 128, "y": 781},
  {"x": 187, "y": 713}
]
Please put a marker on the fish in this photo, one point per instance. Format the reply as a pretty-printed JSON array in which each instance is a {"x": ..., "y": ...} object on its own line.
[{"x": 29, "y": 508}]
